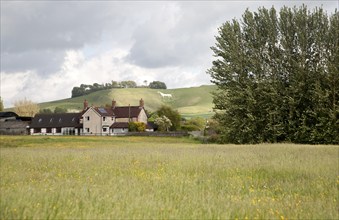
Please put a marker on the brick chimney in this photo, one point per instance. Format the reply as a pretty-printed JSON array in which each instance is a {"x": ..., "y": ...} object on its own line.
[
  {"x": 85, "y": 104},
  {"x": 113, "y": 104},
  {"x": 141, "y": 103}
]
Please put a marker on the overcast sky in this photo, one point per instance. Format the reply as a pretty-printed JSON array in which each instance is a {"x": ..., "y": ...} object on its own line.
[{"x": 48, "y": 47}]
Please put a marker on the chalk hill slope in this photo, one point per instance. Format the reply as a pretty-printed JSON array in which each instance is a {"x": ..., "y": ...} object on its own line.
[{"x": 190, "y": 102}]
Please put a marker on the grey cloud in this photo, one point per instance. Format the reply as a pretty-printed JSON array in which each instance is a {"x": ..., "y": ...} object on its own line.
[
  {"x": 42, "y": 61},
  {"x": 35, "y": 35},
  {"x": 48, "y": 25},
  {"x": 180, "y": 35}
]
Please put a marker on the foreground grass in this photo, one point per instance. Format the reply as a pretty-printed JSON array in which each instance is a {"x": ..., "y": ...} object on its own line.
[{"x": 106, "y": 177}]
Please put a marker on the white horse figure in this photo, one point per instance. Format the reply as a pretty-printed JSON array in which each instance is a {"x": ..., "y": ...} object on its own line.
[{"x": 164, "y": 95}]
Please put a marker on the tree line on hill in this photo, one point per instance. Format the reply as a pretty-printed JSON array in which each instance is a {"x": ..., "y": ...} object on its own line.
[
  {"x": 278, "y": 77},
  {"x": 85, "y": 89}
]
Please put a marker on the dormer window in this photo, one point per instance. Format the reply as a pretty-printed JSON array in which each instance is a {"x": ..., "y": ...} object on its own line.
[
  {"x": 59, "y": 120},
  {"x": 40, "y": 120},
  {"x": 50, "y": 121}
]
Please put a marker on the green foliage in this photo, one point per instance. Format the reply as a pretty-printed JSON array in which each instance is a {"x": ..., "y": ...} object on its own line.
[
  {"x": 45, "y": 111},
  {"x": 136, "y": 127},
  {"x": 87, "y": 89},
  {"x": 60, "y": 110},
  {"x": 277, "y": 77},
  {"x": 157, "y": 85},
  {"x": 72, "y": 177},
  {"x": 163, "y": 123},
  {"x": 128, "y": 84},
  {"x": 172, "y": 115},
  {"x": 194, "y": 124},
  {"x": 1, "y": 105}
]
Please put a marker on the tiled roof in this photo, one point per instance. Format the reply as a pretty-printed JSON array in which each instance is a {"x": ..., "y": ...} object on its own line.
[
  {"x": 104, "y": 111},
  {"x": 119, "y": 112},
  {"x": 120, "y": 125},
  {"x": 127, "y": 111},
  {"x": 151, "y": 125},
  {"x": 56, "y": 120}
]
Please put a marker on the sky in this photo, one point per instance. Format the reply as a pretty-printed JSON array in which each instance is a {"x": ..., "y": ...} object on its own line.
[{"x": 48, "y": 47}]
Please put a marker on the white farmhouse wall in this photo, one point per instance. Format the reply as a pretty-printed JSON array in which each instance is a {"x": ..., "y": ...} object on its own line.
[
  {"x": 95, "y": 124},
  {"x": 91, "y": 122},
  {"x": 125, "y": 119},
  {"x": 142, "y": 117}
]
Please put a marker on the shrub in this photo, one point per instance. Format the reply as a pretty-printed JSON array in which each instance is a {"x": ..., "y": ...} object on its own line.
[{"x": 136, "y": 127}]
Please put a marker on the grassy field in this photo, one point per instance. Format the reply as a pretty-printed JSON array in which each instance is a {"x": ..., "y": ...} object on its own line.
[
  {"x": 165, "y": 178},
  {"x": 190, "y": 102}
]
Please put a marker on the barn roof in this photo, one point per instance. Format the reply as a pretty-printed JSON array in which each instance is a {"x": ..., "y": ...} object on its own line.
[
  {"x": 8, "y": 114},
  {"x": 58, "y": 120}
]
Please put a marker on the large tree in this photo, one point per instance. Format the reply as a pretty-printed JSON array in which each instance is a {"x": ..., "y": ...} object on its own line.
[
  {"x": 26, "y": 107},
  {"x": 157, "y": 85},
  {"x": 173, "y": 115},
  {"x": 278, "y": 77}
]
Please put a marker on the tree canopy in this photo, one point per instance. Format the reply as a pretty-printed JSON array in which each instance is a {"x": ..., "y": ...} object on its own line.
[
  {"x": 172, "y": 115},
  {"x": 60, "y": 110},
  {"x": 163, "y": 123},
  {"x": 278, "y": 77},
  {"x": 157, "y": 85},
  {"x": 85, "y": 89},
  {"x": 26, "y": 107}
]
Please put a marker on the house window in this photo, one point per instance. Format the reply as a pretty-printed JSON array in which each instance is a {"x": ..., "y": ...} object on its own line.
[
  {"x": 104, "y": 118},
  {"x": 104, "y": 129},
  {"x": 87, "y": 130},
  {"x": 87, "y": 118}
]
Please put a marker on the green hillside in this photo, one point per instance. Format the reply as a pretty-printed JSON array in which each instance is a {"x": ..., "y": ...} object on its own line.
[{"x": 190, "y": 102}]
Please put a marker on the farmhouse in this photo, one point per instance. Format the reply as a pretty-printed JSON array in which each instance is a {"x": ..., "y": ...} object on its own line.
[{"x": 91, "y": 121}]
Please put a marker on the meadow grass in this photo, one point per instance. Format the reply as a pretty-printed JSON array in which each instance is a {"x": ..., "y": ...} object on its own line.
[{"x": 164, "y": 178}]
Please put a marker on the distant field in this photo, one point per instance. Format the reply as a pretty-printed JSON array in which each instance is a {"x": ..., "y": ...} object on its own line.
[
  {"x": 169, "y": 178},
  {"x": 190, "y": 102}
]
